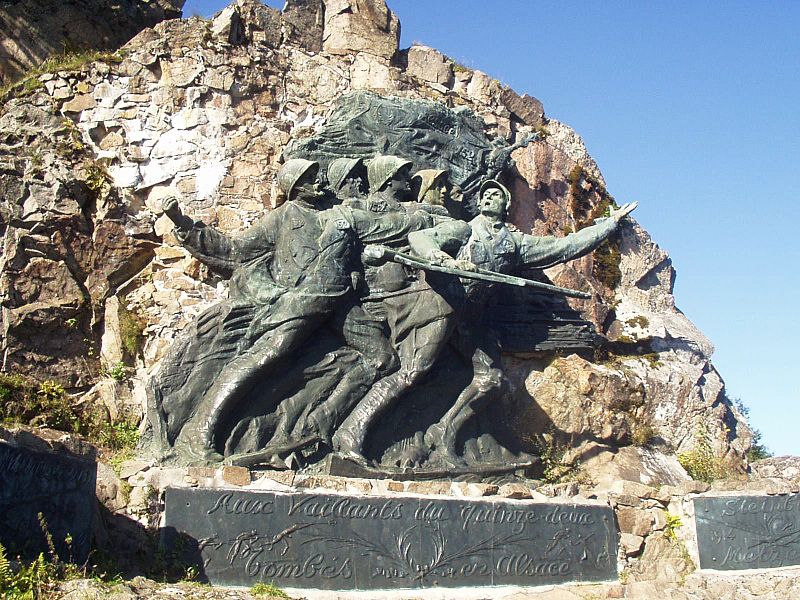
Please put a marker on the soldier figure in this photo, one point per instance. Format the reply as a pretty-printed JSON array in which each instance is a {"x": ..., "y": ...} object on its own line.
[
  {"x": 489, "y": 244},
  {"x": 346, "y": 178}
]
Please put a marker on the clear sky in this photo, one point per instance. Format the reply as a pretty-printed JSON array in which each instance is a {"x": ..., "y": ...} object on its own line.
[{"x": 691, "y": 108}]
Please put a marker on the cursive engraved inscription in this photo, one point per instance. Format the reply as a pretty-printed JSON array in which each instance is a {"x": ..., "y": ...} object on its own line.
[
  {"x": 476, "y": 513},
  {"x": 340, "y": 542},
  {"x": 560, "y": 516},
  {"x": 756, "y": 505},
  {"x": 431, "y": 512},
  {"x": 525, "y": 564},
  {"x": 233, "y": 504},
  {"x": 325, "y": 507},
  {"x": 748, "y": 532}
]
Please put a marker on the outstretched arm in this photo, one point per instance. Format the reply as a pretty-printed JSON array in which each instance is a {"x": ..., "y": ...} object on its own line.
[
  {"x": 546, "y": 251},
  {"x": 214, "y": 248}
]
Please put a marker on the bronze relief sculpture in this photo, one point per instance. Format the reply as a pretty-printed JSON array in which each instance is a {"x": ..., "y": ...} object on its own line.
[{"x": 354, "y": 321}]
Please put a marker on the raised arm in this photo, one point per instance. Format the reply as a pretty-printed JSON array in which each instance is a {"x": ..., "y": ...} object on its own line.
[
  {"x": 546, "y": 251},
  {"x": 213, "y": 247}
]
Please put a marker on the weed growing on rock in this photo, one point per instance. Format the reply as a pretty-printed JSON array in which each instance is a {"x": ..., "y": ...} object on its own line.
[
  {"x": 701, "y": 463},
  {"x": 47, "y": 404},
  {"x": 116, "y": 372},
  {"x": 642, "y": 434},
  {"x": 267, "y": 590},
  {"x": 38, "y": 578},
  {"x": 131, "y": 329},
  {"x": 66, "y": 61},
  {"x": 673, "y": 524},
  {"x": 551, "y": 453}
]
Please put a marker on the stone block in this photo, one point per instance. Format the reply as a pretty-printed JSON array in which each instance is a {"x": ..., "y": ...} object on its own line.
[
  {"x": 633, "y": 489},
  {"x": 360, "y": 26},
  {"x": 59, "y": 487},
  {"x": 395, "y": 486},
  {"x": 79, "y": 104},
  {"x": 236, "y": 475},
  {"x": 429, "y": 487},
  {"x": 514, "y": 490},
  {"x": 370, "y": 73},
  {"x": 430, "y": 65},
  {"x": 631, "y": 544},
  {"x": 526, "y": 108},
  {"x": 693, "y": 487},
  {"x": 635, "y": 521},
  {"x": 477, "y": 490}
]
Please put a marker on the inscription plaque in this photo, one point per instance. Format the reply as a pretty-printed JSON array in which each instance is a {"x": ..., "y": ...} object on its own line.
[
  {"x": 748, "y": 532},
  {"x": 345, "y": 542},
  {"x": 59, "y": 487}
]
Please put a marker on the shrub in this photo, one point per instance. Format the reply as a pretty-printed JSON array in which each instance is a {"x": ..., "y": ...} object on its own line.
[{"x": 701, "y": 463}]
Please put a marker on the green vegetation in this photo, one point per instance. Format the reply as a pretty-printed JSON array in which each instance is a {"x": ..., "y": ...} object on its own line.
[
  {"x": 588, "y": 200},
  {"x": 701, "y": 463},
  {"x": 97, "y": 177},
  {"x": 267, "y": 590},
  {"x": 758, "y": 450},
  {"x": 47, "y": 404},
  {"x": 44, "y": 404},
  {"x": 38, "y": 578},
  {"x": 131, "y": 326},
  {"x": 641, "y": 322},
  {"x": 66, "y": 61},
  {"x": 606, "y": 264},
  {"x": 642, "y": 434},
  {"x": 117, "y": 372},
  {"x": 554, "y": 468},
  {"x": 673, "y": 524}
]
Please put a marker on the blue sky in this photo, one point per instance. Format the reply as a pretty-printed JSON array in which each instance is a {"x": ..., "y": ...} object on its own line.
[{"x": 691, "y": 108}]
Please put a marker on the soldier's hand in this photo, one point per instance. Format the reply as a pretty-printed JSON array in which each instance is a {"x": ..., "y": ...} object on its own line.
[
  {"x": 438, "y": 257},
  {"x": 172, "y": 209},
  {"x": 461, "y": 265},
  {"x": 623, "y": 211},
  {"x": 465, "y": 265}
]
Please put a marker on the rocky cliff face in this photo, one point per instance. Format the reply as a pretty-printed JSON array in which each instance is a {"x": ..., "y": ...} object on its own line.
[
  {"x": 35, "y": 30},
  {"x": 201, "y": 110}
]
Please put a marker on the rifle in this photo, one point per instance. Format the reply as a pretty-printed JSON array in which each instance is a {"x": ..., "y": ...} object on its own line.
[{"x": 378, "y": 252}]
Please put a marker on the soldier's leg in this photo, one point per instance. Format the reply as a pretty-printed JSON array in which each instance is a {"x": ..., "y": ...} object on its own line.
[
  {"x": 420, "y": 323},
  {"x": 487, "y": 381},
  {"x": 294, "y": 320}
]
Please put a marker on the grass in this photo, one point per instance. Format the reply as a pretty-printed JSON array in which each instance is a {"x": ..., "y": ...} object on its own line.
[
  {"x": 701, "y": 462},
  {"x": 47, "y": 404},
  {"x": 40, "y": 577},
  {"x": 29, "y": 82},
  {"x": 588, "y": 200},
  {"x": 673, "y": 524},
  {"x": 131, "y": 326},
  {"x": 267, "y": 590}
]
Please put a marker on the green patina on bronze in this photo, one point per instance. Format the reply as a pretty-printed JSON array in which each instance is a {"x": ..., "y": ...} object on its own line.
[{"x": 356, "y": 322}]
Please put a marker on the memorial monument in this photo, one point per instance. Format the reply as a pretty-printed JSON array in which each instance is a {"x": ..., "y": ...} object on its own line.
[
  {"x": 377, "y": 285},
  {"x": 365, "y": 300}
]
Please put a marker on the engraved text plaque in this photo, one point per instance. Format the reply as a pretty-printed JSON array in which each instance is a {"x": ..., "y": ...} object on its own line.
[
  {"x": 748, "y": 532},
  {"x": 346, "y": 542},
  {"x": 59, "y": 487}
]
